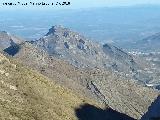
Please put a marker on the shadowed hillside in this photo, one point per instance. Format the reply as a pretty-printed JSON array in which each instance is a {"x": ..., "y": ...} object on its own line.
[
  {"x": 153, "y": 112},
  {"x": 90, "y": 112}
]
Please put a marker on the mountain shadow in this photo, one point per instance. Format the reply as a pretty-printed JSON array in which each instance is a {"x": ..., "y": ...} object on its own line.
[
  {"x": 12, "y": 50},
  {"x": 90, "y": 112},
  {"x": 153, "y": 112}
]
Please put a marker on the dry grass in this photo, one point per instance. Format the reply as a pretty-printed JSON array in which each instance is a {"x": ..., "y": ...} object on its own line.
[{"x": 28, "y": 95}]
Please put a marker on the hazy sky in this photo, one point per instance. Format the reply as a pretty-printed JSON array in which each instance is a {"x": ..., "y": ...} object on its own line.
[
  {"x": 98, "y": 3},
  {"x": 89, "y": 3}
]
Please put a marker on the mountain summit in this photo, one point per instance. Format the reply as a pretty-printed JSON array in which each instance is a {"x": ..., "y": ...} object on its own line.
[
  {"x": 77, "y": 49},
  {"x": 81, "y": 52},
  {"x": 71, "y": 46},
  {"x": 57, "y": 29}
]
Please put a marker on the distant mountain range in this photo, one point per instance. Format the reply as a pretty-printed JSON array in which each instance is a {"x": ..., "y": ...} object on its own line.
[
  {"x": 149, "y": 44},
  {"x": 116, "y": 25}
]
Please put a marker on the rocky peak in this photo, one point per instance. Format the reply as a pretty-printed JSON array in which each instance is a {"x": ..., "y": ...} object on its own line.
[
  {"x": 80, "y": 51},
  {"x": 84, "y": 53},
  {"x": 58, "y": 30},
  {"x": 63, "y": 35},
  {"x": 60, "y": 39}
]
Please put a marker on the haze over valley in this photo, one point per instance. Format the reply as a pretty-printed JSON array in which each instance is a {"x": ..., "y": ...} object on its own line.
[{"x": 117, "y": 25}]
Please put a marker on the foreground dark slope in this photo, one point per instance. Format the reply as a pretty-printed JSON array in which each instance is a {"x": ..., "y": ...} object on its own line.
[
  {"x": 28, "y": 95},
  {"x": 104, "y": 86}
]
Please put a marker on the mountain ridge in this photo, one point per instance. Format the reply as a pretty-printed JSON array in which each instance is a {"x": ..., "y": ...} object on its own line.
[
  {"x": 98, "y": 84},
  {"x": 79, "y": 64}
]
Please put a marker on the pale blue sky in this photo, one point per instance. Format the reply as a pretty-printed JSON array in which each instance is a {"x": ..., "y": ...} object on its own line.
[
  {"x": 93, "y": 3},
  {"x": 98, "y": 3}
]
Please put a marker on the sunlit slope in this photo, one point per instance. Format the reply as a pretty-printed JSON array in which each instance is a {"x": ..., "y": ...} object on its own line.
[{"x": 28, "y": 95}]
